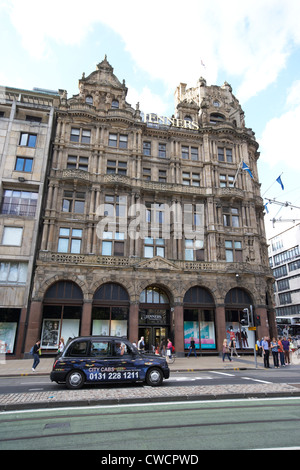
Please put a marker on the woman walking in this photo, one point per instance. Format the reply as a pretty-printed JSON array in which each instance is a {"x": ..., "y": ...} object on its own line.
[
  {"x": 226, "y": 351},
  {"x": 274, "y": 348}
]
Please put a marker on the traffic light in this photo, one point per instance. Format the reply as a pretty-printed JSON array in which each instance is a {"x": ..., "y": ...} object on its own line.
[
  {"x": 257, "y": 320},
  {"x": 244, "y": 317}
]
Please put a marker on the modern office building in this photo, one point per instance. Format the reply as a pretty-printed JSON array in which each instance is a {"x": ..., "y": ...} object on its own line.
[
  {"x": 26, "y": 125},
  {"x": 152, "y": 225},
  {"x": 284, "y": 257}
]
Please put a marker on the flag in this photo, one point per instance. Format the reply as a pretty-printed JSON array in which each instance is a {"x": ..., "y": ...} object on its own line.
[
  {"x": 245, "y": 167},
  {"x": 280, "y": 182},
  {"x": 266, "y": 208}
]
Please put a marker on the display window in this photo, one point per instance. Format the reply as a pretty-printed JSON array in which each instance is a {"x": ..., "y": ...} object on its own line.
[
  {"x": 110, "y": 313},
  {"x": 62, "y": 311},
  {"x": 9, "y": 321},
  {"x": 199, "y": 319}
]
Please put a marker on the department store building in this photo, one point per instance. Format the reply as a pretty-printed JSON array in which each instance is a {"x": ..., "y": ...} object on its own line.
[{"x": 150, "y": 226}]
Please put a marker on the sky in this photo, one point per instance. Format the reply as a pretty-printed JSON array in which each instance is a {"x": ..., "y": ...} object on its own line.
[{"x": 252, "y": 44}]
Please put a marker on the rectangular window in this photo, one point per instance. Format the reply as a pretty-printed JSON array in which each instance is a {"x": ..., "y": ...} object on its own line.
[
  {"x": 69, "y": 240},
  {"x": 116, "y": 140},
  {"x": 190, "y": 179},
  {"x": 225, "y": 155},
  {"x": 226, "y": 181},
  {"x": 162, "y": 150},
  {"x": 115, "y": 206},
  {"x": 24, "y": 164},
  {"x": 73, "y": 202},
  {"x": 28, "y": 140},
  {"x": 194, "y": 250},
  {"x": 230, "y": 217},
  {"x": 13, "y": 273},
  {"x": 154, "y": 247},
  {"x": 12, "y": 236},
  {"x": 77, "y": 163},
  {"x": 147, "y": 148},
  {"x": 113, "y": 244},
  {"x": 233, "y": 251},
  {"x": 116, "y": 167},
  {"x": 19, "y": 203},
  {"x": 80, "y": 135},
  {"x": 162, "y": 176},
  {"x": 147, "y": 174},
  {"x": 189, "y": 153}
]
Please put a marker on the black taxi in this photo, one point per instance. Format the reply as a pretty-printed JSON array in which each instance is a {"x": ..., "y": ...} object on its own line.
[{"x": 107, "y": 359}]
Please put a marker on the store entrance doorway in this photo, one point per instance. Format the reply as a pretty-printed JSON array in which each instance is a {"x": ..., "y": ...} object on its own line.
[{"x": 154, "y": 335}]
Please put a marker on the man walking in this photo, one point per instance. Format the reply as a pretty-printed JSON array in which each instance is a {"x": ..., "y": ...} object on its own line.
[
  {"x": 266, "y": 352},
  {"x": 36, "y": 357}
]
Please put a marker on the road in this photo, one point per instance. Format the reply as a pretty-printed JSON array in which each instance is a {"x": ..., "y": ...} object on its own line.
[
  {"x": 289, "y": 375},
  {"x": 182, "y": 428}
]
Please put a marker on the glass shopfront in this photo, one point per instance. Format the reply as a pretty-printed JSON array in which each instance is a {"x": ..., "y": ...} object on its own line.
[
  {"x": 9, "y": 321},
  {"x": 237, "y": 326},
  {"x": 110, "y": 313},
  {"x": 154, "y": 317},
  {"x": 62, "y": 312},
  {"x": 199, "y": 319}
]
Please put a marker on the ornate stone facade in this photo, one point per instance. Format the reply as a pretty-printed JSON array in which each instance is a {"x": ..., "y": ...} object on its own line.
[{"x": 151, "y": 227}]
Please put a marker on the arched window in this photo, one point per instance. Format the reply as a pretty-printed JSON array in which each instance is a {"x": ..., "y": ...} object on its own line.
[
  {"x": 216, "y": 118},
  {"x": 62, "y": 309},
  {"x": 238, "y": 307},
  {"x": 199, "y": 318},
  {"x": 89, "y": 99},
  {"x": 115, "y": 104},
  {"x": 110, "y": 313}
]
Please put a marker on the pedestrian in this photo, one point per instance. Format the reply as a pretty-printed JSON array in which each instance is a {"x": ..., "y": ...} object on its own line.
[
  {"x": 232, "y": 347},
  {"x": 61, "y": 346},
  {"x": 226, "y": 350},
  {"x": 274, "y": 349},
  {"x": 162, "y": 347},
  {"x": 266, "y": 352},
  {"x": 281, "y": 353},
  {"x": 36, "y": 357},
  {"x": 192, "y": 347},
  {"x": 258, "y": 346},
  {"x": 169, "y": 348},
  {"x": 286, "y": 350},
  {"x": 141, "y": 344}
]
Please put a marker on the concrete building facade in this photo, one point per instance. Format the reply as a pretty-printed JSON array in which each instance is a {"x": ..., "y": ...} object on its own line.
[{"x": 26, "y": 125}]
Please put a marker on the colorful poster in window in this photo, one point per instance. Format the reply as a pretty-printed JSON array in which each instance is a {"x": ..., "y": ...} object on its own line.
[
  {"x": 206, "y": 338},
  {"x": 7, "y": 337},
  {"x": 207, "y": 333},
  {"x": 191, "y": 330},
  {"x": 50, "y": 334}
]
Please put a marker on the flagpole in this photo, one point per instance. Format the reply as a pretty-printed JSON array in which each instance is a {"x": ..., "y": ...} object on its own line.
[
  {"x": 272, "y": 185},
  {"x": 236, "y": 175}
]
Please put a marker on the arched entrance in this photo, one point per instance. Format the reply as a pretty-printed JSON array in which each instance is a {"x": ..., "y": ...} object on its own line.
[
  {"x": 154, "y": 317},
  {"x": 62, "y": 309},
  {"x": 110, "y": 313},
  {"x": 199, "y": 319},
  {"x": 237, "y": 326}
]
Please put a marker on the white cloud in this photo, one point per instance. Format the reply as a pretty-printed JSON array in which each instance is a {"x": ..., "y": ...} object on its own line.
[
  {"x": 250, "y": 39},
  {"x": 279, "y": 142},
  {"x": 149, "y": 102}
]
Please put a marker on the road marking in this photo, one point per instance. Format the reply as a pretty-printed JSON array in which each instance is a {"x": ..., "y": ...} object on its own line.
[
  {"x": 256, "y": 380},
  {"x": 222, "y": 373}
]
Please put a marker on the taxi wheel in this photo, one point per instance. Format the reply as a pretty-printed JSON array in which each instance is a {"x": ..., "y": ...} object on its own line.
[
  {"x": 154, "y": 377},
  {"x": 75, "y": 379}
]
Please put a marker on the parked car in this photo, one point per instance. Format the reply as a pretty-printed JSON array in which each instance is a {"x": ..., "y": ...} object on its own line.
[{"x": 107, "y": 359}]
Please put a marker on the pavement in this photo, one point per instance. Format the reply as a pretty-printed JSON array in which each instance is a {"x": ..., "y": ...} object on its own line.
[{"x": 114, "y": 394}]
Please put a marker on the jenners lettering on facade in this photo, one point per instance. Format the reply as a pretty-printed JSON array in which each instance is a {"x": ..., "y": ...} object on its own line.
[{"x": 153, "y": 118}]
